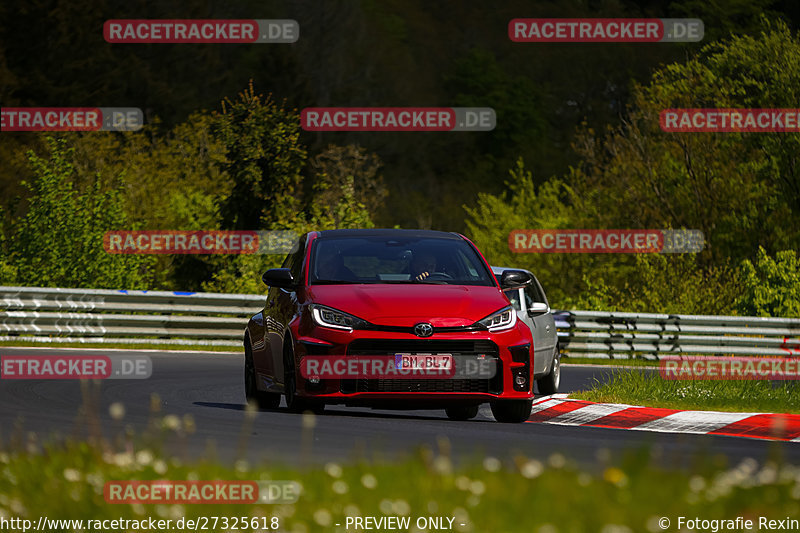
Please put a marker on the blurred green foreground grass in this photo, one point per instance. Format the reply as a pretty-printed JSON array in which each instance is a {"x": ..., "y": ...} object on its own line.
[{"x": 65, "y": 480}]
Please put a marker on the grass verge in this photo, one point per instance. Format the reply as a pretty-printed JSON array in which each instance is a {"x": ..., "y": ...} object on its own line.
[
  {"x": 651, "y": 390},
  {"x": 548, "y": 495}
]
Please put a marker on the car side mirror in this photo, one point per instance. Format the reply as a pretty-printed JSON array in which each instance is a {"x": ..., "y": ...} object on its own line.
[
  {"x": 514, "y": 278},
  {"x": 279, "y": 277},
  {"x": 538, "y": 308}
]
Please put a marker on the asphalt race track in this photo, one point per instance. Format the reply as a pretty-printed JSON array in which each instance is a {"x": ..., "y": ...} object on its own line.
[{"x": 209, "y": 388}]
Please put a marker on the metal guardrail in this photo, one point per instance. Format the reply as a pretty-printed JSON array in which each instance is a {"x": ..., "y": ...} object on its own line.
[
  {"x": 185, "y": 318},
  {"x": 130, "y": 317},
  {"x": 600, "y": 334}
]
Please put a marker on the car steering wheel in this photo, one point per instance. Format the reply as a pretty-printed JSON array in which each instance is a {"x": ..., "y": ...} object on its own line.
[{"x": 441, "y": 275}]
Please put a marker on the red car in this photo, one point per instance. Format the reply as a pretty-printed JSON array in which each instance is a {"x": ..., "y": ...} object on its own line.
[{"x": 412, "y": 298}]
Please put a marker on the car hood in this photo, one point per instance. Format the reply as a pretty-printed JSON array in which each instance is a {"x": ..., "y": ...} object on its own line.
[{"x": 408, "y": 304}]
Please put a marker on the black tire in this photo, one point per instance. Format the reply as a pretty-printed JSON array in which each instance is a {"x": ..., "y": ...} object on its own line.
[
  {"x": 511, "y": 411},
  {"x": 264, "y": 400},
  {"x": 294, "y": 403},
  {"x": 549, "y": 384},
  {"x": 461, "y": 412}
]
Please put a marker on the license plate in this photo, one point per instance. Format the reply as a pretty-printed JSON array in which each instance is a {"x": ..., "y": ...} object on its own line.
[{"x": 423, "y": 361}]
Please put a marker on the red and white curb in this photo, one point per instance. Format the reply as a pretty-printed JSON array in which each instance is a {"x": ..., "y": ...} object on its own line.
[{"x": 558, "y": 409}]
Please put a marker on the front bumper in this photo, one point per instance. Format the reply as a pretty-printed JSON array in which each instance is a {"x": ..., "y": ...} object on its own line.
[{"x": 511, "y": 349}]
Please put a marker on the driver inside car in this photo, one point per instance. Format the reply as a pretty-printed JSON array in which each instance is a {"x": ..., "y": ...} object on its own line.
[
  {"x": 423, "y": 265},
  {"x": 334, "y": 269}
]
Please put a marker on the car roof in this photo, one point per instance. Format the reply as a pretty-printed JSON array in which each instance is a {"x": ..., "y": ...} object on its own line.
[{"x": 389, "y": 233}]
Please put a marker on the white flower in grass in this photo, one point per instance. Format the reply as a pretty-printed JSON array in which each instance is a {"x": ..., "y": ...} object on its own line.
[
  {"x": 144, "y": 457},
  {"x": 160, "y": 467},
  {"x": 117, "y": 411},
  {"x": 401, "y": 507},
  {"x": 557, "y": 460},
  {"x": 492, "y": 464},
  {"x": 615, "y": 528},
  {"x": 97, "y": 481},
  {"x": 299, "y": 527},
  {"x": 768, "y": 475},
  {"x": 697, "y": 483},
  {"x": 333, "y": 470},
  {"x": 653, "y": 525},
  {"x": 171, "y": 422},
  {"x": 123, "y": 460},
  {"x": 477, "y": 487},
  {"x": 461, "y": 516},
  {"x": 462, "y": 483},
  {"x": 340, "y": 487},
  {"x": 369, "y": 481},
  {"x": 283, "y": 511},
  {"x": 352, "y": 510},
  {"x": 532, "y": 469},
  {"x": 443, "y": 465},
  {"x": 323, "y": 517},
  {"x": 386, "y": 506}
]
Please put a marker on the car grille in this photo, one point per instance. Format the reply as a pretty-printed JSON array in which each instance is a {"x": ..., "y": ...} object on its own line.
[{"x": 455, "y": 347}]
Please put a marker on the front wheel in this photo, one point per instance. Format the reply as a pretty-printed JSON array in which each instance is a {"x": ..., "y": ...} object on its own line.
[
  {"x": 549, "y": 384},
  {"x": 264, "y": 400},
  {"x": 461, "y": 412},
  {"x": 293, "y": 402},
  {"x": 511, "y": 411}
]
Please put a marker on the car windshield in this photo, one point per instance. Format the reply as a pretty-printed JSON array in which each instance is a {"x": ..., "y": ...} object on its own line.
[{"x": 381, "y": 259}]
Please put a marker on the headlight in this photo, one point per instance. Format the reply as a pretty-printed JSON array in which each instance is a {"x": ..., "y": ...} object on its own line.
[
  {"x": 333, "y": 318},
  {"x": 504, "y": 319}
]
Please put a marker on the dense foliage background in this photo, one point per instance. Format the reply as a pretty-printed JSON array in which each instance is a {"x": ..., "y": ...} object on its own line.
[{"x": 577, "y": 145}]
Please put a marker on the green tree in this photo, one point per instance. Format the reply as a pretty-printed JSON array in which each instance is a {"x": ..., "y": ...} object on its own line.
[
  {"x": 58, "y": 242},
  {"x": 174, "y": 180},
  {"x": 526, "y": 205},
  {"x": 742, "y": 190},
  {"x": 341, "y": 168},
  {"x": 771, "y": 286},
  {"x": 669, "y": 283},
  {"x": 674, "y": 283},
  {"x": 264, "y": 159}
]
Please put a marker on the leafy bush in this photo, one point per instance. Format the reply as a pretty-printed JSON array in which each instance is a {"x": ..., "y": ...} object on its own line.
[
  {"x": 58, "y": 242},
  {"x": 771, "y": 287}
]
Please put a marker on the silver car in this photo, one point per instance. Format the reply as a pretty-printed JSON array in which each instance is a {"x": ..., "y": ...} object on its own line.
[{"x": 532, "y": 308}]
